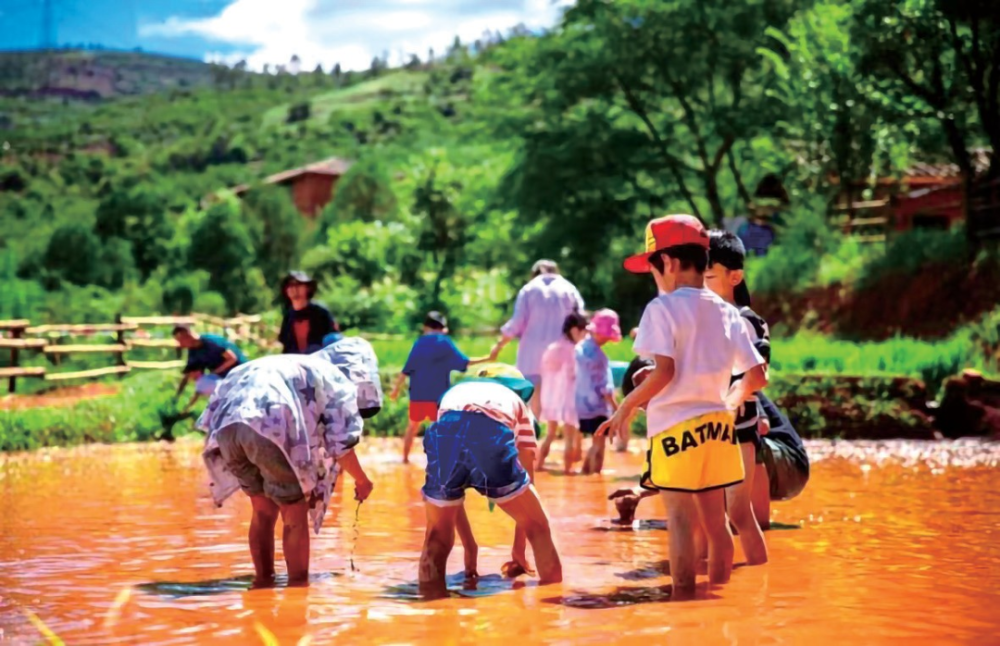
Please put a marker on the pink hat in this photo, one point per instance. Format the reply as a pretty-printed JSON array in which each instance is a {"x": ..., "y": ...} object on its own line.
[{"x": 605, "y": 323}]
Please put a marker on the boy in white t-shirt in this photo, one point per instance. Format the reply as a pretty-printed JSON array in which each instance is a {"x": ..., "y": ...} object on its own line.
[{"x": 697, "y": 341}]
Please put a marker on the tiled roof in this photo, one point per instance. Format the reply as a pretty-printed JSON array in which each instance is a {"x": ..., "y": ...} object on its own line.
[{"x": 334, "y": 166}]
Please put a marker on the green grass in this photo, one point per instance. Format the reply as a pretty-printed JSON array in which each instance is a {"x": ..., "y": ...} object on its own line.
[
  {"x": 392, "y": 352},
  {"x": 132, "y": 414},
  {"x": 351, "y": 99}
]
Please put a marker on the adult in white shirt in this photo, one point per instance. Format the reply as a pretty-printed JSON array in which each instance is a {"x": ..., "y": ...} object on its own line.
[{"x": 540, "y": 310}]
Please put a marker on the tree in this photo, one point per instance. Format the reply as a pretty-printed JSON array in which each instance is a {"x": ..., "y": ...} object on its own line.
[
  {"x": 831, "y": 127},
  {"x": 276, "y": 228},
  {"x": 939, "y": 59},
  {"x": 299, "y": 112},
  {"x": 683, "y": 79},
  {"x": 222, "y": 245},
  {"x": 443, "y": 228},
  {"x": 137, "y": 213},
  {"x": 73, "y": 255},
  {"x": 363, "y": 194}
]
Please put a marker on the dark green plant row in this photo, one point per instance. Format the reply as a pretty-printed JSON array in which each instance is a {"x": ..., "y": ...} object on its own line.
[{"x": 833, "y": 406}]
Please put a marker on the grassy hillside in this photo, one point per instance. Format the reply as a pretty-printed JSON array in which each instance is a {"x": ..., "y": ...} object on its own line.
[{"x": 95, "y": 74}]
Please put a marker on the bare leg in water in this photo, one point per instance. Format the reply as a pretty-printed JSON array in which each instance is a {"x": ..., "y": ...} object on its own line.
[
  {"x": 543, "y": 451},
  {"x": 739, "y": 499},
  {"x": 295, "y": 541},
  {"x": 712, "y": 512},
  {"x": 439, "y": 539},
  {"x": 527, "y": 511},
  {"x": 261, "y": 538},
  {"x": 411, "y": 434}
]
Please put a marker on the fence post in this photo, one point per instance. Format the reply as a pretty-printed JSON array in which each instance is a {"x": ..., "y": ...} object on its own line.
[
  {"x": 14, "y": 358},
  {"x": 120, "y": 338}
]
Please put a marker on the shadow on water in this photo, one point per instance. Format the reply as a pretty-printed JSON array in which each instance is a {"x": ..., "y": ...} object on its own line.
[
  {"x": 624, "y": 596},
  {"x": 614, "y": 525},
  {"x": 180, "y": 590},
  {"x": 780, "y": 527},
  {"x": 458, "y": 587},
  {"x": 658, "y": 569},
  {"x": 653, "y": 524}
]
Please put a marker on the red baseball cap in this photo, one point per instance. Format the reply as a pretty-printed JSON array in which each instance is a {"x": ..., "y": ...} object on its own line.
[{"x": 668, "y": 231}]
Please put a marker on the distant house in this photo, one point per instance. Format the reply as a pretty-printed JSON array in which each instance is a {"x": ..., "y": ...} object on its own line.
[
  {"x": 312, "y": 185},
  {"x": 925, "y": 196}
]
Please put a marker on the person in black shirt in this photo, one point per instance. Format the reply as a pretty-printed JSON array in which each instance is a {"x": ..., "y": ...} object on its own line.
[
  {"x": 305, "y": 323},
  {"x": 782, "y": 469}
]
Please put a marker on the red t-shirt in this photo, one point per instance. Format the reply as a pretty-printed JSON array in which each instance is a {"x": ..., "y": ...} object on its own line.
[{"x": 301, "y": 331}]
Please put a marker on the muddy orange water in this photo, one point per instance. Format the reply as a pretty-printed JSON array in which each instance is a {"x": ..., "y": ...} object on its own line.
[{"x": 889, "y": 543}]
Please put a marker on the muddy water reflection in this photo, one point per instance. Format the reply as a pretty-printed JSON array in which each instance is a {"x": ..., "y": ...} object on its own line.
[{"x": 112, "y": 545}]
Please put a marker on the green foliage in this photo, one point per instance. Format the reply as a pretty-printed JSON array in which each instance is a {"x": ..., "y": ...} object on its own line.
[
  {"x": 794, "y": 262},
  {"x": 909, "y": 252},
  {"x": 73, "y": 255},
  {"x": 222, "y": 245},
  {"x": 131, "y": 415},
  {"x": 278, "y": 230},
  {"x": 138, "y": 215},
  {"x": 363, "y": 194}
]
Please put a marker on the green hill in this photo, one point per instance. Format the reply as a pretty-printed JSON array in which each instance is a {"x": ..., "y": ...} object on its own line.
[
  {"x": 97, "y": 74},
  {"x": 470, "y": 167}
]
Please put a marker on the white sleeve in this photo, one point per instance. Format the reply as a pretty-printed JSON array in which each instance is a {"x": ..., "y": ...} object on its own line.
[{"x": 656, "y": 333}]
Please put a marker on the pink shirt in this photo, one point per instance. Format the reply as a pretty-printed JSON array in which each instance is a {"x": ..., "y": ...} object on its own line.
[{"x": 559, "y": 383}]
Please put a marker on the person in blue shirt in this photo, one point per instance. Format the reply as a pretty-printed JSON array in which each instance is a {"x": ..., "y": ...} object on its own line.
[
  {"x": 432, "y": 359},
  {"x": 206, "y": 352},
  {"x": 595, "y": 384}
]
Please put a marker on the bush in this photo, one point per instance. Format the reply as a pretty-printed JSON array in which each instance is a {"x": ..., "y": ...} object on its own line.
[
  {"x": 908, "y": 253},
  {"x": 131, "y": 415},
  {"x": 794, "y": 262}
]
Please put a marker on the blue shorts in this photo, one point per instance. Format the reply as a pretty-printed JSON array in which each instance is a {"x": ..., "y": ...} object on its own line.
[{"x": 466, "y": 449}]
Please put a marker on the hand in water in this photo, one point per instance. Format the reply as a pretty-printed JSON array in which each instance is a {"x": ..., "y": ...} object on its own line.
[
  {"x": 363, "y": 489},
  {"x": 516, "y": 567},
  {"x": 626, "y": 501}
]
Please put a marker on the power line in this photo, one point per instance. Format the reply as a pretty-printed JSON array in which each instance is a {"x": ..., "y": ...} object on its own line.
[{"x": 48, "y": 25}]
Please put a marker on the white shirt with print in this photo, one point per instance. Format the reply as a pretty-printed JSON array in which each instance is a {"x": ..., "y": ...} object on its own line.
[{"x": 709, "y": 343}]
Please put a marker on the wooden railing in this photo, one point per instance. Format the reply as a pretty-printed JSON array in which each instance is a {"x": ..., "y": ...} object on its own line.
[
  {"x": 865, "y": 221},
  {"x": 19, "y": 337}
]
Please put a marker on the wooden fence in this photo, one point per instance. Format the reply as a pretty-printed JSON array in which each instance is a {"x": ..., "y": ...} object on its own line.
[{"x": 129, "y": 332}]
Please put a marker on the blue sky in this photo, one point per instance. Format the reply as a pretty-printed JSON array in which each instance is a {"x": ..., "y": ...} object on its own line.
[{"x": 262, "y": 32}]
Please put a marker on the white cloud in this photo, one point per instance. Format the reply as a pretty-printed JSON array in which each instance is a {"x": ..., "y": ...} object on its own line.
[{"x": 351, "y": 32}]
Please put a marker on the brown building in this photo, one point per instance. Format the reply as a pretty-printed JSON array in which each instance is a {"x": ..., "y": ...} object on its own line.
[
  {"x": 312, "y": 185},
  {"x": 925, "y": 196}
]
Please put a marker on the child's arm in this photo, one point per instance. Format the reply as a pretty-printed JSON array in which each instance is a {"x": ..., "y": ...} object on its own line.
[
  {"x": 476, "y": 360},
  {"x": 743, "y": 389},
  {"x": 362, "y": 485},
  {"x": 659, "y": 377},
  {"x": 397, "y": 386}
]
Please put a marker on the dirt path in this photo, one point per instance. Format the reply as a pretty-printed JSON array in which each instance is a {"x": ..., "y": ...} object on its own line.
[{"x": 58, "y": 397}]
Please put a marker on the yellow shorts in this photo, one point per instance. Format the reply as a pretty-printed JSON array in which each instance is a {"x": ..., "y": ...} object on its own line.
[{"x": 697, "y": 455}]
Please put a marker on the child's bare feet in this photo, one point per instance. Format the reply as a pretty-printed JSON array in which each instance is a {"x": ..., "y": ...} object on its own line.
[{"x": 262, "y": 583}]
